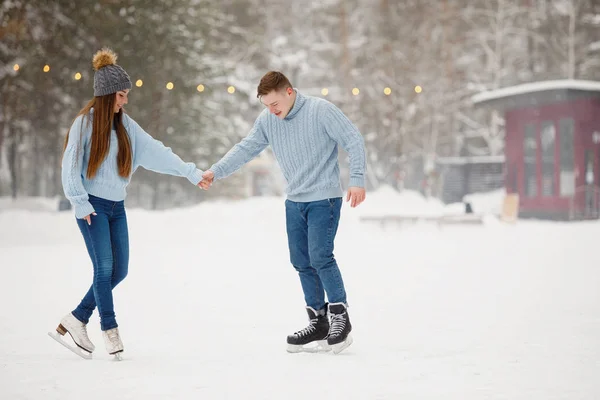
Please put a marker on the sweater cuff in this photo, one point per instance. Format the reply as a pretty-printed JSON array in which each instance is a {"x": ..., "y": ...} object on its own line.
[
  {"x": 195, "y": 177},
  {"x": 357, "y": 181},
  {"x": 216, "y": 171},
  {"x": 83, "y": 209}
]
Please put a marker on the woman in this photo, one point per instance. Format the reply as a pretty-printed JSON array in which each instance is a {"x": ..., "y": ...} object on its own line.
[{"x": 102, "y": 150}]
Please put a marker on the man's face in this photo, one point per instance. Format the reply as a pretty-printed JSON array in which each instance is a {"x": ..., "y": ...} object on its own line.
[{"x": 280, "y": 102}]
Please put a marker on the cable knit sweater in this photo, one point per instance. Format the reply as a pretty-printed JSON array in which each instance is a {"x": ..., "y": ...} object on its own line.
[
  {"x": 107, "y": 184},
  {"x": 305, "y": 144}
]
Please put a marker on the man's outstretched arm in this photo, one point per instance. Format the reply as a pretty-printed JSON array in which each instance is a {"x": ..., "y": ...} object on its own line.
[{"x": 251, "y": 146}]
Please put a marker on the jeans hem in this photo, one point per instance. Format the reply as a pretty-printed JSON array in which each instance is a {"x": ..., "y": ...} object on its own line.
[
  {"x": 108, "y": 327},
  {"x": 78, "y": 318}
]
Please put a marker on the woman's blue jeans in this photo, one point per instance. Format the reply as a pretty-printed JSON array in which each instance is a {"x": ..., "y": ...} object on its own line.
[{"x": 107, "y": 242}]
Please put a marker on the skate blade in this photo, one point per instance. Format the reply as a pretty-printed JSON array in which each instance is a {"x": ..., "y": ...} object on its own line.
[
  {"x": 81, "y": 353},
  {"x": 339, "y": 347},
  {"x": 118, "y": 356},
  {"x": 320, "y": 347}
]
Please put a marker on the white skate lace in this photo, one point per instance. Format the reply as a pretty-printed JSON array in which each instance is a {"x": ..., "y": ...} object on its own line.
[
  {"x": 84, "y": 333},
  {"x": 308, "y": 330},
  {"x": 338, "y": 323},
  {"x": 80, "y": 330},
  {"x": 113, "y": 337}
]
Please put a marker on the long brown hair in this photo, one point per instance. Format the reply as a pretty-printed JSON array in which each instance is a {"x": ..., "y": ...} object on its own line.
[{"x": 102, "y": 121}]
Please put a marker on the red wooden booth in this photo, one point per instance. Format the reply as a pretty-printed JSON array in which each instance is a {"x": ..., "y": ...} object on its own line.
[{"x": 552, "y": 146}]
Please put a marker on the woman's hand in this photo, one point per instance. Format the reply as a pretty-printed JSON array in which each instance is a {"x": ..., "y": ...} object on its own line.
[{"x": 88, "y": 218}]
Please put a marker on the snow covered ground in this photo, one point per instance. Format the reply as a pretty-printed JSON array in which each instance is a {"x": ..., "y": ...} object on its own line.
[{"x": 492, "y": 311}]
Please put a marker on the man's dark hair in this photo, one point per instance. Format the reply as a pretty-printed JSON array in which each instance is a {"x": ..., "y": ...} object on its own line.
[{"x": 273, "y": 80}]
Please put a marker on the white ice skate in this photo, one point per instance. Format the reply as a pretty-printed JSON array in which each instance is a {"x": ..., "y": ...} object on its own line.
[
  {"x": 78, "y": 332},
  {"x": 114, "y": 345}
]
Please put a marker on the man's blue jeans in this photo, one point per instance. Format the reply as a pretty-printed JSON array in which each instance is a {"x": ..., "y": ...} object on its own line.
[
  {"x": 107, "y": 241},
  {"x": 311, "y": 230}
]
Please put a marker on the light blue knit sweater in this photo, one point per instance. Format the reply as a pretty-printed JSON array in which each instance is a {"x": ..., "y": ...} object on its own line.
[
  {"x": 305, "y": 144},
  {"x": 148, "y": 153}
]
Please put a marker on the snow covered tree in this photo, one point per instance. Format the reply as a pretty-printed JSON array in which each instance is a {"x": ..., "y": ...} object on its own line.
[{"x": 415, "y": 63}]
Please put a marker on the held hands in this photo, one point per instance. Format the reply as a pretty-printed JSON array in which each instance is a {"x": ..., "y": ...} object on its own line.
[
  {"x": 356, "y": 195},
  {"x": 207, "y": 179}
]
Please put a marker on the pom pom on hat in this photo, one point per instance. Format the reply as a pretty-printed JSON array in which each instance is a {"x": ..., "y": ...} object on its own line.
[{"x": 104, "y": 57}]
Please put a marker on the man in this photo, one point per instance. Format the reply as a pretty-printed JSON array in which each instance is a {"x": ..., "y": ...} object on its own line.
[{"x": 304, "y": 133}]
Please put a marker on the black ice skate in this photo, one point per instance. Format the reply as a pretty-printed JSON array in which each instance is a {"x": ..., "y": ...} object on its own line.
[
  {"x": 313, "y": 338},
  {"x": 339, "y": 336}
]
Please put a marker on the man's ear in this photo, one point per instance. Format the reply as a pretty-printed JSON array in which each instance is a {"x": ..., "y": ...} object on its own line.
[{"x": 289, "y": 90}]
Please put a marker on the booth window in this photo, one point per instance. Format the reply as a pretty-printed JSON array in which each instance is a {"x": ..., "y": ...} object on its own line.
[
  {"x": 530, "y": 155},
  {"x": 548, "y": 141},
  {"x": 567, "y": 157}
]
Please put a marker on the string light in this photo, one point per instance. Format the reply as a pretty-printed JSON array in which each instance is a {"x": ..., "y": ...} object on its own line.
[{"x": 230, "y": 89}]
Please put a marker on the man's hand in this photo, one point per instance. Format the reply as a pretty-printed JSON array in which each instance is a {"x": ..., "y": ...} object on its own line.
[
  {"x": 207, "y": 179},
  {"x": 356, "y": 195}
]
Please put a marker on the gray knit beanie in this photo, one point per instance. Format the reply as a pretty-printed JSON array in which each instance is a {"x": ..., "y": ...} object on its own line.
[{"x": 109, "y": 77}]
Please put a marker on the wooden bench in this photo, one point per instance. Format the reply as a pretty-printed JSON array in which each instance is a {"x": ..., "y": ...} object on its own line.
[
  {"x": 471, "y": 219},
  {"x": 509, "y": 214}
]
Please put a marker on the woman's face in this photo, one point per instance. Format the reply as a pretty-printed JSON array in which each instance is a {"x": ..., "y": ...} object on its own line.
[{"x": 120, "y": 99}]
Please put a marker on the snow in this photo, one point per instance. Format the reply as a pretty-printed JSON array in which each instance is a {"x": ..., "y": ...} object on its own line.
[
  {"x": 387, "y": 201},
  {"x": 489, "y": 203},
  {"x": 525, "y": 88},
  {"x": 492, "y": 311},
  {"x": 29, "y": 203}
]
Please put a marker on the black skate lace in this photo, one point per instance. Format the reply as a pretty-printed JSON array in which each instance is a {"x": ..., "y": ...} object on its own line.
[
  {"x": 338, "y": 323},
  {"x": 308, "y": 330}
]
